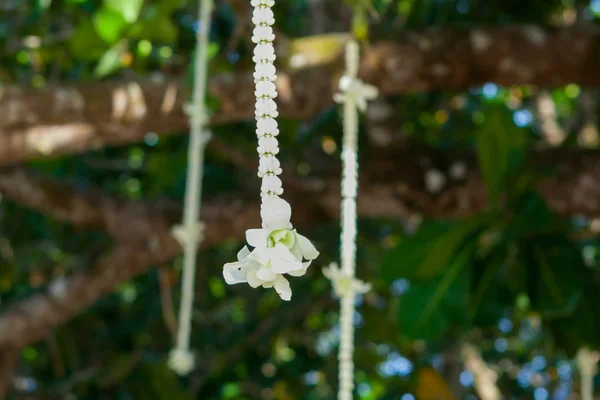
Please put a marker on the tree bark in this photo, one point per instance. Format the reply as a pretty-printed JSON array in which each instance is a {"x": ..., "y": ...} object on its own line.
[{"x": 73, "y": 119}]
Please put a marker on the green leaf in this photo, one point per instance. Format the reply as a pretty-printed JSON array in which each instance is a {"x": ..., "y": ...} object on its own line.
[
  {"x": 488, "y": 300},
  {"x": 427, "y": 253},
  {"x": 582, "y": 327},
  {"x": 404, "y": 260},
  {"x": 428, "y": 308},
  {"x": 155, "y": 26},
  {"x": 108, "y": 24},
  {"x": 533, "y": 217},
  {"x": 85, "y": 43},
  {"x": 559, "y": 281},
  {"x": 500, "y": 150},
  {"x": 129, "y": 9},
  {"x": 111, "y": 60}
]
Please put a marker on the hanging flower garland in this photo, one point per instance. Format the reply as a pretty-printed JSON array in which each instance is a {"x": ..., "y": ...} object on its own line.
[
  {"x": 189, "y": 234},
  {"x": 278, "y": 249},
  {"x": 354, "y": 96},
  {"x": 587, "y": 363}
]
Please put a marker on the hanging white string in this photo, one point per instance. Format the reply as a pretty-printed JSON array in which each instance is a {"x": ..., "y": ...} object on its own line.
[
  {"x": 354, "y": 95},
  {"x": 190, "y": 233},
  {"x": 278, "y": 248},
  {"x": 587, "y": 363}
]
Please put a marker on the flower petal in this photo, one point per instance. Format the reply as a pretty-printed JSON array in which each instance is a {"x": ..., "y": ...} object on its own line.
[
  {"x": 253, "y": 280},
  {"x": 269, "y": 284},
  {"x": 257, "y": 237},
  {"x": 282, "y": 286},
  {"x": 233, "y": 274},
  {"x": 282, "y": 260},
  {"x": 276, "y": 213},
  {"x": 308, "y": 249},
  {"x": 260, "y": 255},
  {"x": 243, "y": 253},
  {"x": 296, "y": 250},
  {"x": 266, "y": 274},
  {"x": 302, "y": 271}
]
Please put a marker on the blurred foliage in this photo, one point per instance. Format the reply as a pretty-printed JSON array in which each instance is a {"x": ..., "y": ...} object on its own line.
[{"x": 516, "y": 279}]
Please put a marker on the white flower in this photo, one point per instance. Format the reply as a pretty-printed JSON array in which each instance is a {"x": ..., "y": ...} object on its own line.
[
  {"x": 277, "y": 228},
  {"x": 278, "y": 250},
  {"x": 344, "y": 284},
  {"x": 264, "y": 51},
  {"x": 263, "y": 33},
  {"x": 255, "y": 268},
  {"x": 267, "y": 144},
  {"x": 263, "y": 16},
  {"x": 267, "y": 125},
  {"x": 269, "y": 165},
  {"x": 265, "y": 71},
  {"x": 266, "y": 107},
  {"x": 266, "y": 89},
  {"x": 271, "y": 185},
  {"x": 357, "y": 90}
]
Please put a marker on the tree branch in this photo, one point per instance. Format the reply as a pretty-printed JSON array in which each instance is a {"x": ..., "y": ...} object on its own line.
[{"x": 67, "y": 120}]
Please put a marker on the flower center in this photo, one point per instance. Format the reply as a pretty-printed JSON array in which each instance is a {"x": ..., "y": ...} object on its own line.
[{"x": 283, "y": 236}]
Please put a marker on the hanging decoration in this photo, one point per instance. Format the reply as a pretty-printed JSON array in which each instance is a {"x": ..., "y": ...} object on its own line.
[
  {"x": 278, "y": 249},
  {"x": 354, "y": 96},
  {"x": 189, "y": 234},
  {"x": 587, "y": 363}
]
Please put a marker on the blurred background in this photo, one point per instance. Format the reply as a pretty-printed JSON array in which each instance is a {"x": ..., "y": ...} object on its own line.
[{"x": 479, "y": 200}]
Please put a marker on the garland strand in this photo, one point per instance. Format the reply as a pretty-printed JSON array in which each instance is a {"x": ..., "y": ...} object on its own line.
[
  {"x": 278, "y": 248},
  {"x": 265, "y": 75},
  {"x": 190, "y": 233},
  {"x": 354, "y": 95},
  {"x": 587, "y": 363}
]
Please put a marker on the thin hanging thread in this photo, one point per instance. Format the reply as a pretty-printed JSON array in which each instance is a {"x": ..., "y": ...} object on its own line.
[
  {"x": 189, "y": 233},
  {"x": 354, "y": 95}
]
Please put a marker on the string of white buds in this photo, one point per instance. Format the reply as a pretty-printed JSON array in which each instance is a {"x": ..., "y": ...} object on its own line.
[
  {"x": 587, "y": 363},
  {"x": 190, "y": 233},
  {"x": 278, "y": 248},
  {"x": 354, "y": 95},
  {"x": 266, "y": 91}
]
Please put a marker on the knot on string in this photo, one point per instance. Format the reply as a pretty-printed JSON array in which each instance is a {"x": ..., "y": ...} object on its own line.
[
  {"x": 190, "y": 111},
  {"x": 181, "y": 361},
  {"x": 189, "y": 234},
  {"x": 343, "y": 283}
]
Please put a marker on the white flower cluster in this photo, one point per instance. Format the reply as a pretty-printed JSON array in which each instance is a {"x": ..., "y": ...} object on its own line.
[{"x": 278, "y": 250}]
